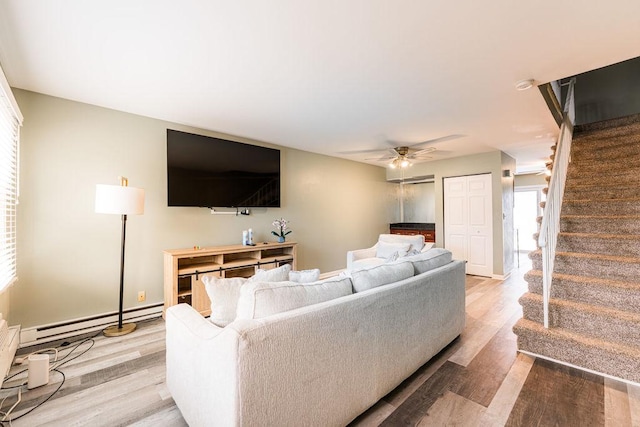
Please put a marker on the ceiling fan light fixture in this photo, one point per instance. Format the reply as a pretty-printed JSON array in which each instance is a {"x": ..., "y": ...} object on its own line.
[{"x": 399, "y": 162}]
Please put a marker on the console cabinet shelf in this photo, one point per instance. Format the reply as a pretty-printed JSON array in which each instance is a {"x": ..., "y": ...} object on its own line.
[
  {"x": 412, "y": 228},
  {"x": 184, "y": 268}
]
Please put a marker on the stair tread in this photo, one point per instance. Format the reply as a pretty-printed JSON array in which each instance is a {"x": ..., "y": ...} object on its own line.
[
  {"x": 626, "y": 122},
  {"x": 617, "y": 258},
  {"x": 590, "y": 256},
  {"x": 600, "y": 165},
  {"x": 627, "y": 316},
  {"x": 603, "y": 168},
  {"x": 602, "y": 236},
  {"x": 598, "y": 186},
  {"x": 590, "y": 279},
  {"x": 613, "y": 346},
  {"x": 603, "y": 217},
  {"x": 599, "y": 200}
]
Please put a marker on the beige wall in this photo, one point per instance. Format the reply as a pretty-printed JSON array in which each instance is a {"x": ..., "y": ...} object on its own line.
[
  {"x": 531, "y": 180},
  {"x": 492, "y": 162},
  {"x": 5, "y": 303},
  {"x": 419, "y": 202},
  {"x": 68, "y": 256}
]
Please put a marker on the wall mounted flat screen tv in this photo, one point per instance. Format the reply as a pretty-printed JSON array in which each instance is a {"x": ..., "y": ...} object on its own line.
[{"x": 211, "y": 172}]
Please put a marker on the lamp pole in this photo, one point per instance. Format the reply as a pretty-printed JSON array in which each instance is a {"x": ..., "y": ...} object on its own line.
[{"x": 121, "y": 306}]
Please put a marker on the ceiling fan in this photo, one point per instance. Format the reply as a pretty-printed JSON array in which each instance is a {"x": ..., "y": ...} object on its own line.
[{"x": 403, "y": 155}]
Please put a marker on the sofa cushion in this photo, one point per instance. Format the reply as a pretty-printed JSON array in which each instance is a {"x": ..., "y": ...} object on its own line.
[
  {"x": 416, "y": 241},
  {"x": 383, "y": 274},
  {"x": 279, "y": 274},
  {"x": 304, "y": 276},
  {"x": 386, "y": 250},
  {"x": 224, "y": 294},
  {"x": 361, "y": 264},
  {"x": 433, "y": 258},
  {"x": 260, "y": 299}
]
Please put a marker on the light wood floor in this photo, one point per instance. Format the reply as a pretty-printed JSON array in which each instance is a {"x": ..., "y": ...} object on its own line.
[{"x": 479, "y": 380}]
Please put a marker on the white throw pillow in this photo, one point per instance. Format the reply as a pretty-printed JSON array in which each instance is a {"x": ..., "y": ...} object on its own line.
[
  {"x": 224, "y": 295},
  {"x": 280, "y": 274},
  {"x": 383, "y": 274},
  {"x": 427, "y": 246},
  {"x": 416, "y": 240},
  {"x": 385, "y": 250},
  {"x": 433, "y": 258},
  {"x": 304, "y": 276},
  {"x": 394, "y": 256},
  {"x": 259, "y": 300}
]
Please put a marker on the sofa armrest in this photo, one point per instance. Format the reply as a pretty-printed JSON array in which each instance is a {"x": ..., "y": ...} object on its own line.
[
  {"x": 361, "y": 254},
  {"x": 192, "y": 322},
  {"x": 201, "y": 366}
]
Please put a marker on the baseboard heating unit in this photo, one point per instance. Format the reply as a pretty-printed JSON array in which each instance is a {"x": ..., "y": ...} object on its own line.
[{"x": 85, "y": 325}]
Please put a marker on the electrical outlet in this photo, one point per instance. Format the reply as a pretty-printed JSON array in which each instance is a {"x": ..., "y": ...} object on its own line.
[{"x": 141, "y": 296}]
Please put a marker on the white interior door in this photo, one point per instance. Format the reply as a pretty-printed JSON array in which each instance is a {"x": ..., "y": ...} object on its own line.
[
  {"x": 455, "y": 222},
  {"x": 468, "y": 229}
]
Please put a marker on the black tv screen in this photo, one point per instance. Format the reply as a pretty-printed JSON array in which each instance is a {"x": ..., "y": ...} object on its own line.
[{"x": 211, "y": 172}]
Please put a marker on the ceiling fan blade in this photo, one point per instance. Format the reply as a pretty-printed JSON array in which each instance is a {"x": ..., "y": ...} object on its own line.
[
  {"x": 376, "y": 150},
  {"x": 423, "y": 151},
  {"x": 382, "y": 159},
  {"x": 412, "y": 157},
  {"x": 441, "y": 139}
]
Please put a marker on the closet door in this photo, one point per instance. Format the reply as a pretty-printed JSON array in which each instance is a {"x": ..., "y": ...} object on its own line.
[{"x": 468, "y": 230}]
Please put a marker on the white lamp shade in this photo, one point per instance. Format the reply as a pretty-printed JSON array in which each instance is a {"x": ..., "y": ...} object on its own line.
[{"x": 117, "y": 199}]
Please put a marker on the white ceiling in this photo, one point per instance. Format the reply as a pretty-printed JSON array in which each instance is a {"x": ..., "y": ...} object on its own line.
[{"x": 320, "y": 75}]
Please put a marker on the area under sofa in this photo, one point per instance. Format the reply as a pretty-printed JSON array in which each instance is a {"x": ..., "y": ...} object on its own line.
[{"x": 322, "y": 364}]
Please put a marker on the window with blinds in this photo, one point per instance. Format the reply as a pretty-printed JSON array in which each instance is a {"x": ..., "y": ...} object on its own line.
[{"x": 10, "y": 121}]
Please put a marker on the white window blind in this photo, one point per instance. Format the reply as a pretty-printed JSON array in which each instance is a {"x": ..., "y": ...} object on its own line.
[{"x": 10, "y": 122}]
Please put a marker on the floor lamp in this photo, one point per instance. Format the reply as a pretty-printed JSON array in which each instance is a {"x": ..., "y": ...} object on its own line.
[{"x": 121, "y": 200}]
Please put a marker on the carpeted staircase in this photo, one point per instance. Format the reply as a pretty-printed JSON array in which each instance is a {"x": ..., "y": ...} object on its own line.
[{"x": 594, "y": 310}]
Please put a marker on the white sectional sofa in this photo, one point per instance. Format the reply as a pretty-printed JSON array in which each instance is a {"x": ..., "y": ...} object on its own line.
[{"x": 316, "y": 365}]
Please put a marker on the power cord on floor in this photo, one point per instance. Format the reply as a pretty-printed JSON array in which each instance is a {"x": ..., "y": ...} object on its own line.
[
  {"x": 61, "y": 362},
  {"x": 10, "y": 420}
]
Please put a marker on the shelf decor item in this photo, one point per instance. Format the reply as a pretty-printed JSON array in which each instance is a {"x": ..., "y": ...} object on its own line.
[
  {"x": 281, "y": 229},
  {"x": 121, "y": 200}
]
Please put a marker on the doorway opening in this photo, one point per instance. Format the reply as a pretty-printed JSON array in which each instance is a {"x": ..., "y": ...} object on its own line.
[{"x": 526, "y": 211}]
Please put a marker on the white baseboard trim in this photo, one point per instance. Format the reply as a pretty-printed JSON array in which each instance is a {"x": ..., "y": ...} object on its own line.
[
  {"x": 61, "y": 330},
  {"x": 580, "y": 368},
  {"x": 501, "y": 276}
]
